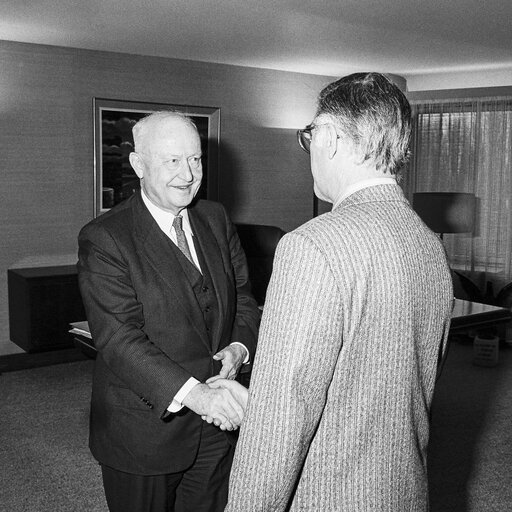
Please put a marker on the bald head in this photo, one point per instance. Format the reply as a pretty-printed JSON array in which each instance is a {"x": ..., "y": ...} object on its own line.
[{"x": 157, "y": 122}]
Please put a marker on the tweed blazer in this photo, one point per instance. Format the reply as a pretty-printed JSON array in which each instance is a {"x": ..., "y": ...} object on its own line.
[
  {"x": 150, "y": 332},
  {"x": 356, "y": 316}
]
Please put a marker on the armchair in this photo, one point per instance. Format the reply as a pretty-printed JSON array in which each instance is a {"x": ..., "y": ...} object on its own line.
[{"x": 259, "y": 243}]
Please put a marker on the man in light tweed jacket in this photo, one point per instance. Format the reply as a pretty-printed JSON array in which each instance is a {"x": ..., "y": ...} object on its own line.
[{"x": 356, "y": 317}]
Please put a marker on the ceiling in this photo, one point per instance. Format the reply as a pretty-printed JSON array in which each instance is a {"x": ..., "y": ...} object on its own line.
[{"x": 327, "y": 37}]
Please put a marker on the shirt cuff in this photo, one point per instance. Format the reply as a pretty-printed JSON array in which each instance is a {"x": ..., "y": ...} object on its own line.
[
  {"x": 176, "y": 404},
  {"x": 246, "y": 358}
]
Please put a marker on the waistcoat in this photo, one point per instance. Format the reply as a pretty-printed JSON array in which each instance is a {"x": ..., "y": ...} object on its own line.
[{"x": 203, "y": 288}]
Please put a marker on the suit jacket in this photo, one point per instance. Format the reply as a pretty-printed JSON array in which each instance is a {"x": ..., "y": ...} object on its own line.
[
  {"x": 356, "y": 314},
  {"x": 150, "y": 332}
]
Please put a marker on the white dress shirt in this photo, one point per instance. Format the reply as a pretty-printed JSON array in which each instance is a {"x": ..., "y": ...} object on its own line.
[{"x": 360, "y": 185}]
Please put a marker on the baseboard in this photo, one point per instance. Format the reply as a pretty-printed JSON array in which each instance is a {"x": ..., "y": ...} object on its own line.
[{"x": 25, "y": 361}]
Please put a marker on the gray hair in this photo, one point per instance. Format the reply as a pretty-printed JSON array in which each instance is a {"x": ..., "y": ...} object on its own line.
[
  {"x": 140, "y": 127},
  {"x": 374, "y": 114}
]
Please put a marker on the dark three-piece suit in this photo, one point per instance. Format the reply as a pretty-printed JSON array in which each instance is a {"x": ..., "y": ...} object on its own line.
[{"x": 156, "y": 321}]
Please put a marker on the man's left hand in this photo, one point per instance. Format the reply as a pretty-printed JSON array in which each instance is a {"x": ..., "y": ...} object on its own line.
[{"x": 232, "y": 358}]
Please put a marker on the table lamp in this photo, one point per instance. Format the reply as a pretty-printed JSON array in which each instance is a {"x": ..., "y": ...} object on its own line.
[
  {"x": 446, "y": 212},
  {"x": 450, "y": 212}
]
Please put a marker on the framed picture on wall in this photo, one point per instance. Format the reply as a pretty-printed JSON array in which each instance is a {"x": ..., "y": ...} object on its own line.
[{"x": 114, "y": 178}]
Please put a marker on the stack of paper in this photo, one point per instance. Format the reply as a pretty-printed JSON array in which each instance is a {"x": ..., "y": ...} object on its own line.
[{"x": 81, "y": 328}]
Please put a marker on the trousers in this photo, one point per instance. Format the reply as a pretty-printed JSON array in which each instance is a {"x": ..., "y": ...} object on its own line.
[{"x": 201, "y": 488}]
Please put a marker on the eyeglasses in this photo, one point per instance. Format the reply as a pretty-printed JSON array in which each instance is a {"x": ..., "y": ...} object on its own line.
[{"x": 304, "y": 136}]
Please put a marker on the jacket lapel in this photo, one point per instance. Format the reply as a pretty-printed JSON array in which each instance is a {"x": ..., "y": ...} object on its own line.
[
  {"x": 212, "y": 255},
  {"x": 154, "y": 246}
]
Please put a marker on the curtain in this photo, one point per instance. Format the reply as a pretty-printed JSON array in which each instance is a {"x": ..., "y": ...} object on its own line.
[{"x": 466, "y": 146}]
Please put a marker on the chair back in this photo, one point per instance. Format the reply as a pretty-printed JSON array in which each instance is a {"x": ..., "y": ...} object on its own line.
[
  {"x": 259, "y": 243},
  {"x": 504, "y": 298},
  {"x": 464, "y": 288}
]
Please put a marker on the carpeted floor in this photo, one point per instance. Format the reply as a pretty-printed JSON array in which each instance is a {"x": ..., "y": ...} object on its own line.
[
  {"x": 470, "y": 456},
  {"x": 45, "y": 464}
]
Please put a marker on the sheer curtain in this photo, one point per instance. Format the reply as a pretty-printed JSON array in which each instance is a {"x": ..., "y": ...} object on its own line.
[{"x": 466, "y": 146}]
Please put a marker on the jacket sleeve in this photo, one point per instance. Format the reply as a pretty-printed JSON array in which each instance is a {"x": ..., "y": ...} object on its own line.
[
  {"x": 116, "y": 321},
  {"x": 299, "y": 343}
]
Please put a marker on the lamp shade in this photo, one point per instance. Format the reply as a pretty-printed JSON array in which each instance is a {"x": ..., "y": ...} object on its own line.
[{"x": 446, "y": 212}]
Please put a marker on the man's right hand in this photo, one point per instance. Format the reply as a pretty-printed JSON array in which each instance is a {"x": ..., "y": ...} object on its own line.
[
  {"x": 239, "y": 392},
  {"x": 218, "y": 404}
]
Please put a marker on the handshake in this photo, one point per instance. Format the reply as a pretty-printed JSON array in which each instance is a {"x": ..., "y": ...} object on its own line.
[
  {"x": 221, "y": 400},
  {"x": 233, "y": 402}
]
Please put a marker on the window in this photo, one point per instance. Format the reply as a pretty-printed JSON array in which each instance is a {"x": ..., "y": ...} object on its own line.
[{"x": 466, "y": 146}]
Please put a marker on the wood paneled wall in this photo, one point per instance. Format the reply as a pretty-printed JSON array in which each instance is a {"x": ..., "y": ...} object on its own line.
[{"x": 46, "y": 142}]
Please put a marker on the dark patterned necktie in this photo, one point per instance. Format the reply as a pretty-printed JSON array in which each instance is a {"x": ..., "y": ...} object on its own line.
[{"x": 181, "y": 238}]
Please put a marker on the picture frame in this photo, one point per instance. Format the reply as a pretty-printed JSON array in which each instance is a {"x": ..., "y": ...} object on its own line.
[{"x": 114, "y": 178}]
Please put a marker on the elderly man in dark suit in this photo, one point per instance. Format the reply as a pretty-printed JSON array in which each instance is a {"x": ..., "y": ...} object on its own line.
[{"x": 165, "y": 286}]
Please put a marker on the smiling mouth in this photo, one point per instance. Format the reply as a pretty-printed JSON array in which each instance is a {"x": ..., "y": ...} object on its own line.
[{"x": 181, "y": 187}]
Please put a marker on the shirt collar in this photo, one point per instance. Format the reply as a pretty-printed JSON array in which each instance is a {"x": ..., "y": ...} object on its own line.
[
  {"x": 360, "y": 185},
  {"x": 163, "y": 218}
]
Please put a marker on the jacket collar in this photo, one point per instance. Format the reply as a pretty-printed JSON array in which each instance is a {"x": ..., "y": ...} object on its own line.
[
  {"x": 379, "y": 193},
  {"x": 360, "y": 185}
]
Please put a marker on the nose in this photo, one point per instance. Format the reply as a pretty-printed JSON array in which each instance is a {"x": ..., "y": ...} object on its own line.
[{"x": 186, "y": 172}]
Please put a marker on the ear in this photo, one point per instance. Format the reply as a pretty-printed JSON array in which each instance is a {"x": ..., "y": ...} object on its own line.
[
  {"x": 332, "y": 140},
  {"x": 137, "y": 163},
  {"x": 327, "y": 139}
]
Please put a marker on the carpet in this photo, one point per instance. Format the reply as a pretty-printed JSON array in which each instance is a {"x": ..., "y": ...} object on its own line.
[
  {"x": 45, "y": 463},
  {"x": 470, "y": 451}
]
